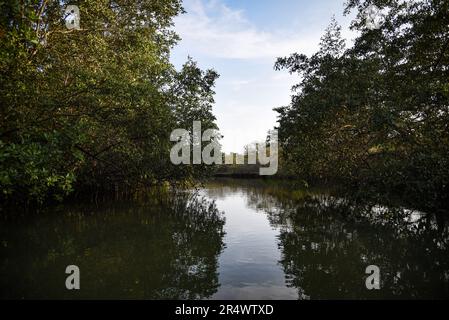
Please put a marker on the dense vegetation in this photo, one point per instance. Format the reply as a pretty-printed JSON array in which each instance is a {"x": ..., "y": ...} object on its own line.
[
  {"x": 92, "y": 109},
  {"x": 375, "y": 117}
]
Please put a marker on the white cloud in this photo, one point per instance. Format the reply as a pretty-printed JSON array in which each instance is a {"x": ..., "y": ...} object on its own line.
[
  {"x": 213, "y": 28},
  {"x": 223, "y": 38}
]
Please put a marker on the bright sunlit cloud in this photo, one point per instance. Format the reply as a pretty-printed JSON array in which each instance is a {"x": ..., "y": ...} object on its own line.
[{"x": 229, "y": 37}]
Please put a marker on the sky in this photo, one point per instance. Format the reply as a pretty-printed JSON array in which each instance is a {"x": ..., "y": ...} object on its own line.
[{"x": 241, "y": 40}]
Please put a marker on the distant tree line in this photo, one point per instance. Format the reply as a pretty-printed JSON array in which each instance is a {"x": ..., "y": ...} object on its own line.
[
  {"x": 374, "y": 117},
  {"x": 92, "y": 109}
]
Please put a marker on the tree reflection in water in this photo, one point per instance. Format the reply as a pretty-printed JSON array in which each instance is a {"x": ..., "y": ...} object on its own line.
[
  {"x": 167, "y": 247},
  {"x": 164, "y": 247},
  {"x": 327, "y": 243}
]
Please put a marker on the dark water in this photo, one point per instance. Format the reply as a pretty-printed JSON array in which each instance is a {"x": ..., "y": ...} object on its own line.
[{"x": 228, "y": 240}]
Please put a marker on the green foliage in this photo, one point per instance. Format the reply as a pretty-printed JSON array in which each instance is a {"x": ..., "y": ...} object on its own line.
[
  {"x": 92, "y": 109},
  {"x": 375, "y": 116}
]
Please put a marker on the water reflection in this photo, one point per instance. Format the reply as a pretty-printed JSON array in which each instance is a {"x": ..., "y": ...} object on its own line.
[
  {"x": 278, "y": 242},
  {"x": 249, "y": 266},
  {"x": 164, "y": 247},
  {"x": 326, "y": 243}
]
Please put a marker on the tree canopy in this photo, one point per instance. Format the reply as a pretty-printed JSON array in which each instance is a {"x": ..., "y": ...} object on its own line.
[
  {"x": 375, "y": 116},
  {"x": 92, "y": 108}
]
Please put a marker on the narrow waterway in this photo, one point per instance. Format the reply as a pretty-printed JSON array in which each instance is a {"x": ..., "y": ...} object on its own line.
[{"x": 231, "y": 239}]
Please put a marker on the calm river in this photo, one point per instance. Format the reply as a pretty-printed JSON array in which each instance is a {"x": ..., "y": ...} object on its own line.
[{"x": 231, "y": 239}]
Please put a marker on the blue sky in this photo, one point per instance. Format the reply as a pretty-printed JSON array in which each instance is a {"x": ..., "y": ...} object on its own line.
[{"x": 241, "y": 40}]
